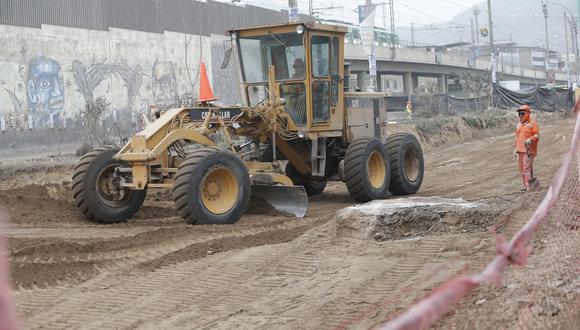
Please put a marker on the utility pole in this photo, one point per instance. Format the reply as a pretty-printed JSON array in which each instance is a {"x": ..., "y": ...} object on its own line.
[
  {"x": 512, "y": 50},
  {"x": 384, "y": 17},
  {"x": 310, "y": 7},
  {"x": 412, "y": 35},
  {"x": 574, "y": 32},
  {"x": 473, "y": 33},
  {"x": 567, "y": 50},
  {"x": 491, "y": 47},
  {"x": 476, "y": 14},
  {"x": 575, "y": 45},
  {"x": 393, "y": 46},
  {"x": 372, "y": 59},
  {"x": 545, "y": 10}
]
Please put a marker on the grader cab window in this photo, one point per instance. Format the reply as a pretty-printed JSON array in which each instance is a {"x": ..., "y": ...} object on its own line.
[
  {"x": 295, "y": 95},
  {"x": 320, "y": 54},
  {"x": 281, "y": 50},
  {"x": 257, "y": 94}
]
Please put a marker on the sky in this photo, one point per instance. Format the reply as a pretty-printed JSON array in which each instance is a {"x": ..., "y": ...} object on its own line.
[{"x": 419, "y": 12}]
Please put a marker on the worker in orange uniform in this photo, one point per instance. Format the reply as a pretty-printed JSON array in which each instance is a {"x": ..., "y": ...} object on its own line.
[{"x": 526, "y": 144}]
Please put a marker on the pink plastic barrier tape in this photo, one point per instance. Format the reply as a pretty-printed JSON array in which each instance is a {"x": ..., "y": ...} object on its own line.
[
  {"x": 7, "y": 318},
  {"x": 439, "y": 302}
]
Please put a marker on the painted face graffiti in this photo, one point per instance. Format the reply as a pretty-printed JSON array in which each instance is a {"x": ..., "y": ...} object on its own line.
[
  {"x": 45, "y": 87},
  {"x": 164, "y": 83}
]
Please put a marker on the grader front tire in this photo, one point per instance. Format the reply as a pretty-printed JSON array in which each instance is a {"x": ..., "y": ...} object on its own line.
[
  {"x": 366, "y": 170},
  {"x": 95, "y": 191},
  {"x": 212, "y": 186}
]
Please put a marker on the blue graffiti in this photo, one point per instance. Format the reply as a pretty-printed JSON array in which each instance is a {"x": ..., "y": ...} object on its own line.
[{"x": 45, "y": 87}]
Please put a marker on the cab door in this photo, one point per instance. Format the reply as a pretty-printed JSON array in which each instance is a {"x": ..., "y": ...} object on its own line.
[
  {"x": 326, "y": 83},
  {"x": 320, "y": 80}
]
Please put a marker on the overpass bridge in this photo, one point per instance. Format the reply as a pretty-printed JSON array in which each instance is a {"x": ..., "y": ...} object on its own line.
[{"x": 412, "y": 63}]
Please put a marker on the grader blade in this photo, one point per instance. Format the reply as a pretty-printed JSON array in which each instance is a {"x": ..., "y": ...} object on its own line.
[{"x": 289, "y": 199}]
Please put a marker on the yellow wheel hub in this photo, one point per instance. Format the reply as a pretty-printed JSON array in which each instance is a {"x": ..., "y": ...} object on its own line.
[
  {"x": 219, "y": 190},
  {"x": 108, "y": 190},
  {"x": 411, "y": 165},
  {"x": 376, "y": 169}
]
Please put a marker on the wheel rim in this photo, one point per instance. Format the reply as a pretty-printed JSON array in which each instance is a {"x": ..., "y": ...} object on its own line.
[
  {"x": 219, "y": 190},
  {"x": 376, "y": 169},
  {"x": 108, "y": 189},
  {"x": 411, "y": 165}
]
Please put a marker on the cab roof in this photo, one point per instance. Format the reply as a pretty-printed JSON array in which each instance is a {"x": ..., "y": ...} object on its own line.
[{"x": 289, "y": 26}]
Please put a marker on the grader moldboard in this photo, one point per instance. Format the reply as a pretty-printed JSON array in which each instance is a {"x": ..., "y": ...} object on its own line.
[{"x": 298, "y": 130}]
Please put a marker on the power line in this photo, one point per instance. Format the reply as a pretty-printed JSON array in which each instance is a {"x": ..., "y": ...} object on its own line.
[
  {"x": 418, "y": 11},
  {"x": 456, "y": 4},
  {"x": 510, "y": 26},
  {"x": 522, "y": 9}
]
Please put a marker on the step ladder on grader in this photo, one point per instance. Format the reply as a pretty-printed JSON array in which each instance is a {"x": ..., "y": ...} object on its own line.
[{"x": 299, "y": 128}]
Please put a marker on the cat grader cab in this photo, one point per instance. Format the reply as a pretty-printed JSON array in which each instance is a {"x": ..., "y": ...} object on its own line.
[{"x": 299, "y": 127}]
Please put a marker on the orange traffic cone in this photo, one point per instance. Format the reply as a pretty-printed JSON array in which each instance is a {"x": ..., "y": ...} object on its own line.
[{"x": 205, "y": 92}]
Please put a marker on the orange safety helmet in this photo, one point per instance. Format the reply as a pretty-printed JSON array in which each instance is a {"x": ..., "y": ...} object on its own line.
[{"x": 525, "y": 107}]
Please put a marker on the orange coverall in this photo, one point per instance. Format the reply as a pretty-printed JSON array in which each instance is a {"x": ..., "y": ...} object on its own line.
[{"x": 527, "y": 130}]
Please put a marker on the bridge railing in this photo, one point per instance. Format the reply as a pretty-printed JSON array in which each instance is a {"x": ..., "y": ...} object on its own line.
[{"x": 455, "y": 59}]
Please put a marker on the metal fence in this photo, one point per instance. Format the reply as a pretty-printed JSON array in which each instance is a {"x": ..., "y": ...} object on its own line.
[{"x": 186, "y": 16}]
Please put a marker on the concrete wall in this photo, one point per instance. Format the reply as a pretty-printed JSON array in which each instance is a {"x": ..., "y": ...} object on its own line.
[
  {"x": 52, "y": 72},
  {"x": 57, "y": 56}
]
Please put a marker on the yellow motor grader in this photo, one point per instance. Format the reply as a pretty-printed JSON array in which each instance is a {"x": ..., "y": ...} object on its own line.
[{"x": 297, "y": 130}]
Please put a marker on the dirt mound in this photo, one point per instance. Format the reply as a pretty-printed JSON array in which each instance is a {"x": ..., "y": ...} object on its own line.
[
  {"x": 38, "y": 204},
  {"x": 34, "y": 174},
  {"x": 442, "y": 130},
  {"x": 394, "y": 219}
]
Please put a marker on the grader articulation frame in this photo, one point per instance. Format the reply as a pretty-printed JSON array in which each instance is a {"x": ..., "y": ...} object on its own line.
[{"x": 297, "y": 131}]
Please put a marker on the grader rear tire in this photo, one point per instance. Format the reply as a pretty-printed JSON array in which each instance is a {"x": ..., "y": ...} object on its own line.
[
  {"x": 312, "y": 187},
  {"x": 366, "y": 170},
  {"x": 212, "y": 186},
  {"x": 407, "y": 164},
  {"x": 96, "y": 192}
]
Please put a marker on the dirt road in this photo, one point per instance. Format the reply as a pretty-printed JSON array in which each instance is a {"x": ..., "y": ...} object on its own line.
[{"x": 266, "y": 271}]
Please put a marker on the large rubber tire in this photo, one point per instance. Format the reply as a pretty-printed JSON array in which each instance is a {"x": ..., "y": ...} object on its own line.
[
  {"x": 212, "y": 186},
  {"x": 366, "y": 170},
  {"x": 88, "y": 196},
  {"x": 312, "y": 187},
  {"x": 407, "y": 164}
]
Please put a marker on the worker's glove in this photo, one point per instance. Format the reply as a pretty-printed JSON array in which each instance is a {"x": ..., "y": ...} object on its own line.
[
  {"x": 516, "y": 154},
  {"x": 528, "y": 142}
]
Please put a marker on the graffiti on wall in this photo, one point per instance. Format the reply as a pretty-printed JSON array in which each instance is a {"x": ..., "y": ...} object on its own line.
[
  {"x": 164, "y": 82},
  {"x": 38, "y": 98},
  {"x": 89, "y": 78},
  {"x": 41, "y": 100},
  {"x": 45, "y": 91}
]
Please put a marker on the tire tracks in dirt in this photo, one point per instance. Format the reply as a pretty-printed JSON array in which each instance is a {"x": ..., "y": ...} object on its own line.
[
  {"x": 211, "y": 292},
  {"x": 147, "y": 251}
]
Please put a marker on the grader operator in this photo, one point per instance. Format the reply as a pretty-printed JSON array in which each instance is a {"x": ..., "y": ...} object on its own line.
[{"x": 297, "y": 130}]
